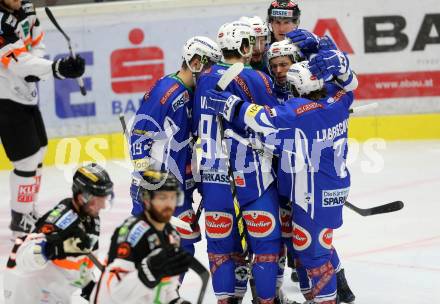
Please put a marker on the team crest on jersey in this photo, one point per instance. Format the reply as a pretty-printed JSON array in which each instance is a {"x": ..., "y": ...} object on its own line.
[
  {"x": 259, "y": 223},
  {"x": 66, "y": 220},
  {"x": 123, "y": 251},
  {"x": 286, "y": 223},
  {"x": 326, "y": 238},
  {"x": 218, "y": 224},
  {"x": 137, "y": 232},
  {"x": 188, "y": 217},
  {"x": 301, "y": 238},
  {"x": 47, "y": 229}
]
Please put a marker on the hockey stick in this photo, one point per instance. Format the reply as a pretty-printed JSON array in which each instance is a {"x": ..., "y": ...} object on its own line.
[
  {"x": 203, "y": 273},
  {"x": 95, "y": 261},
  {"x": 79, "y": 80},
  {"x": 197, "y": 217},
  {"x": 224, "y": 81},
  {"x": 362, "y": 108},
  {"x": 385, "y": 208},
  {"x": 176, "y": 222}
]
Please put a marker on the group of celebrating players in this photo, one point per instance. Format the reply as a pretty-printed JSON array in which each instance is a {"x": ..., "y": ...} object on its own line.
[{"x": 266, "y": 153}]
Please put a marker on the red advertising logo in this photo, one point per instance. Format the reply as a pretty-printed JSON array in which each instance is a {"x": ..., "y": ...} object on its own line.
[
  {"x": 25, "y": 193},
  {"x": 301, "y": 238},
  {"x": 218, "y": 224},
  {"x": 259, "y": 223},
  {"x": 326, "y": 238},
  {"x": 286, "y": 223},
  {"x": 188, "y": 217},
  {"x": 135, "y": 70}
]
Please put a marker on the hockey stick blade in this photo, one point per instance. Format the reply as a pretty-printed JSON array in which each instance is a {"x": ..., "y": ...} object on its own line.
[
  {"x": 203, "y": 273},
  {"x": 51, "y": 17},
  {"x": 229, "y": 75},
  {"x": 385, "y": 208}
]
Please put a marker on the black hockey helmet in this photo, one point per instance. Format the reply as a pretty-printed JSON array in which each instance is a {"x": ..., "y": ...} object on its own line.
[
  {"x": 283, "y": 9},
  {"x": 152, "y": 181},
  {"x": 92, "y": 179}
]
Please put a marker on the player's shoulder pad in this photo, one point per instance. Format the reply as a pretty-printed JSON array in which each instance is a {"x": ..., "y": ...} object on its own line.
[
  {"x": 132, "y": 231},
  {"x": 168, "y": 89},
  {"x": 61, "y": 217}
]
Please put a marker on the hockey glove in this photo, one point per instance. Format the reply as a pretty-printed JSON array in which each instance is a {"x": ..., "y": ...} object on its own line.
[
  {"x": 326, "y": 44},
  {"x": 306, "y": 41},
  {"x": 328, "y": 63},
  {"x": 162, "y": 262},
  {"x": 59, "y": 246},
  {"x": 223, "y": 103},
  {"x": 68, "y": 67}
]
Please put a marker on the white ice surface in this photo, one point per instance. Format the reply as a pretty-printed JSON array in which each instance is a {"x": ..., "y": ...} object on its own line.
[{"x": 391, "y": 258}]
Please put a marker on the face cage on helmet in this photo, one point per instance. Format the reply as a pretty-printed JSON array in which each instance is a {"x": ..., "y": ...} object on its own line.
[{"x": 252, "y": 42}]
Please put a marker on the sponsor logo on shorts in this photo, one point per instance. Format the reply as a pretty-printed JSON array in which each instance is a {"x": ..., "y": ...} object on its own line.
[
  {"x": 259, "y": 223},
  {"x": 218, "y": 224},
  {"x": 301, "y": 238},
  {"x": 326, "y": 238},
  {"x": 286, "y": 223},
  {"x": 188, "y": 216},
  {"x": 334, "y": 198}
]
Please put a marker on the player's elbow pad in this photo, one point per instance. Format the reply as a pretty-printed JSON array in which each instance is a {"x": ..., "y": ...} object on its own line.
[{"x": 348, "y": 81}]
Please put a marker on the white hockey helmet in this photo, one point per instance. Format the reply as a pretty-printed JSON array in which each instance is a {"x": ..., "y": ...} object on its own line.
[
  {"x": 231, "y": 35},
  {"x": 257, "y": 24},
  {"x": 300, "y": 77},
  {"x": 284, "y": 48},
  {"x": 205, "y": 47}
]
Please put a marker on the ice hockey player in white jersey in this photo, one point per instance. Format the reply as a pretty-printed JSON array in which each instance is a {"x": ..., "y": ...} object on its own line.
[
  {"x": 145, "y": 257},
  {"x": 22, "y": 130},
  {"x": 50, "y": 264}
]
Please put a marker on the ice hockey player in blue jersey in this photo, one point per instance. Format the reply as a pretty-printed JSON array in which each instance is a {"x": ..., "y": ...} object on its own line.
[
  {"x": 161, "y": 133},
  {"x": 313, "y": 129},
  {"x": 253, "y": 178}
]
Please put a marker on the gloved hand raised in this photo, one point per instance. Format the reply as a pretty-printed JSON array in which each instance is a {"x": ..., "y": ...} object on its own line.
[
  {"x": 68, "y": 67},
  {"x": 163, "y": 262},
  {"x": 223, "y": 103},
  {"x": 328, "y": 63},
  {"x": 306, "y": 41}
]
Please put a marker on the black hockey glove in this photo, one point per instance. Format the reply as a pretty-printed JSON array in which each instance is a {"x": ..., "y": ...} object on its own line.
[
  {"x": 163, "y": 262},
  {"x": 68, "y": 67},
  {"x": 60, "y": 245}
]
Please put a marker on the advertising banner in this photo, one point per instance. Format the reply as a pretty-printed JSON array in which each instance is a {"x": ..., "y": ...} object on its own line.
[{"x": 393, "y": 46}]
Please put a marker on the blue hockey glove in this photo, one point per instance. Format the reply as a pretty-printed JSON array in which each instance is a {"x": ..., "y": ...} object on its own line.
[
  {"x": 306, "y": 41},
  {"x": 328, "y": 63},
  {"x": 223, "y": 103},
  {"x": 326, "y": 44}
]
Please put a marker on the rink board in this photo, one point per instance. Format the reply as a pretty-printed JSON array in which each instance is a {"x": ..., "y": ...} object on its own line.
[
  {"x": 101, "y": 147},
  {"x": 393, "y": 46}
]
